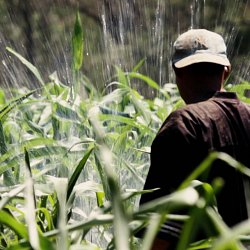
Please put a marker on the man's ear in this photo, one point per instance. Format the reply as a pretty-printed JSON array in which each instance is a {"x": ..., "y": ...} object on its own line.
[{"x": 226, "y": 72}]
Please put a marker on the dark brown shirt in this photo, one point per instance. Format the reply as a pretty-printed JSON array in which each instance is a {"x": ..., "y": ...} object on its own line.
[{"x": 221, "y": 123}]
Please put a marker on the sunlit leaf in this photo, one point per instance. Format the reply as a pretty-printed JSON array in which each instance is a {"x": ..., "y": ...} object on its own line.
[
  {"x": 145, "y": 79},
  {"x": 77, "y": 43},
  {"x": 12, "y": 223},
  {"x": 30, "y": 66}
]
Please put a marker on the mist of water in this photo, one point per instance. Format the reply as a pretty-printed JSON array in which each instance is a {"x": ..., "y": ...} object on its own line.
[{"x": 129, "y": 31}]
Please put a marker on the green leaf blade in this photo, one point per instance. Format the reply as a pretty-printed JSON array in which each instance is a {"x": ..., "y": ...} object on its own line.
[
  {"x": 77, "y": 43},
  {"x": 77, "y": 172}
]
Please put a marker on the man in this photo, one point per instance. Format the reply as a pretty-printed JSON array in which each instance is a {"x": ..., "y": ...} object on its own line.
[{"x": 212, "y": 120}]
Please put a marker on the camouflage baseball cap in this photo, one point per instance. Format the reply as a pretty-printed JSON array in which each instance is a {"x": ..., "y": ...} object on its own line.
[{"x": 199, "y": 45}]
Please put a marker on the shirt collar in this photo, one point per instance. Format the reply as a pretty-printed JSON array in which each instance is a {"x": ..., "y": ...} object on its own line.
[{"x": 224, "y": 94}]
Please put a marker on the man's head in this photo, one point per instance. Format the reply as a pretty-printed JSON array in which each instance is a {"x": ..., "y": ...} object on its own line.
[
  {"x": 199, "y": 45},
  {"x": 200, "y": 63}
]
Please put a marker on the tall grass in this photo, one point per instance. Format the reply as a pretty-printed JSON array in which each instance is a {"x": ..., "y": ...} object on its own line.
[{"x": 73, "y": 162}]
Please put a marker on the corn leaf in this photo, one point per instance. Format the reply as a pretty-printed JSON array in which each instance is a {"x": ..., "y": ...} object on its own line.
[
  {"x": 145, "y": 79},
  {"x": 77, "y": 43},
  {"x": 77, "y": 172},
  {"x": 30, "y": 66},
  {"x": 13, "y": 224}
]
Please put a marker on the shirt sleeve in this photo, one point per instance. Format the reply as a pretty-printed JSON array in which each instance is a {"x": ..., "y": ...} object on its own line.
[{"x": 173, "y": 157}]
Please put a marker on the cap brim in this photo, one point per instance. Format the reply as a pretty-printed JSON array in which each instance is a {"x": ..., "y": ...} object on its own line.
[{"x": 203, "y": 57}]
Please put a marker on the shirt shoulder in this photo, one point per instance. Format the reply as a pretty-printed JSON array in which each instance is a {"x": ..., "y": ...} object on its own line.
[
  {"x": 218, "y": 121},
  {"x": 180, "y": 123}
]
